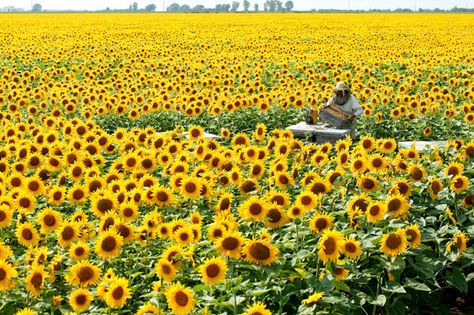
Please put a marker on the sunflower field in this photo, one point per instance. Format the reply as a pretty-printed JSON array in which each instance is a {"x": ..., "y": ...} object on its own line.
[{"x": 114, "y": 201}]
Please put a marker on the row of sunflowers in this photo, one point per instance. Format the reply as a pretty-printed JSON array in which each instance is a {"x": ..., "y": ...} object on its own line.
[{"x": 149, "y": 222}]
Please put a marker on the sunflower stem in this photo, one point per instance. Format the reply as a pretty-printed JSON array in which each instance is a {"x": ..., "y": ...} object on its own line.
[{"x": 297, "y": 236}]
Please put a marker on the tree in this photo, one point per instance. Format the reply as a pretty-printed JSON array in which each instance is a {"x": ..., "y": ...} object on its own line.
[
  {"x": 199, "y": 8},
  {"x": 36, "y": 7},
  {"x": 150, "y": 7},
  {"x": 235, "y": 6},
  {"x": 289, "y": 5},
  {"x": 255, "y": 7},
  {"x": 246, "y": 5},
  {"x": 174, "y": 7},
  {"x": 185, "y": 8},
  {"x": 135, "y": 6}
]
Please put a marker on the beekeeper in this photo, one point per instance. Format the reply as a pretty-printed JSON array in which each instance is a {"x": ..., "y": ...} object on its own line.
[{"x": 343, "y": 99}]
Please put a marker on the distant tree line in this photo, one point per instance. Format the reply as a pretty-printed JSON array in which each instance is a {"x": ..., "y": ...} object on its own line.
[
  {"x": 269, "y": 6},
  {"x": 454, "y": 10}
]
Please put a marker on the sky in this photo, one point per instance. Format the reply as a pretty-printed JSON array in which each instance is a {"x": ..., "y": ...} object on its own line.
[{"x": 298, "y": 4}]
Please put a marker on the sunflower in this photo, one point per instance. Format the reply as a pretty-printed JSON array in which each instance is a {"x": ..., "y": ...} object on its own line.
[
  {"x": 128, "y": 211},
  {"x": 35, "y": 280},
  {"x": 248, "y": 186},
  {"x": 213, "y": 270},
  {"x": 253, "y": 208},
  {"x": 80, "y": 300},
  {"x": 387, "y": 146},
  {"x": 180, "y": 299},
  {"x": 68, "y": 232},
  {"x": 103, "y": 203},
  {"x": 321, "y": 222},
  {"x": 216, "y": 231},
  {"x": 453, "y": 169},
  {"x": 259, "y": 133},
  {"x": 329, "y": 245},
  {"x": 283, "y": 179},
  {"x": 26, "y": 311},
  {"x": 191, "y": 187},
  {"x": 351, "y": 248},
  {"x": 393, "y": 244},
  {"x": 6, "y": 216},
  {"x": 25, "y": 202},
  {"x": 257, "y": 169},
  {"x": 195, "y": 132},
  {"x": 230, "y": 244},
  {"x": 240, "y": 139},
  {"x": 401, "y": 187},
  {"x": 275, "y": 217},
  {"x": 49, "y": 220},
  {"x": 163, "y": 196},
  {"x": 313, "y": 298},
  {"x": 417, "y": 172},
  {"x": 359, "y": 165},
  {"x": 77, "y": 194},
  {"x": 457, "y": 243},
  {"x": 257, "y": 308},
  {"x": 295, "y": 212},
  {"x": 260, "y": 252},
  {"x": 377, "y": 163},
  {"x": 459, "y": 183},
  {"x": 332, "y": 176},
  {"x": 368, "y": 183},
  {"x": 306, "y": 200},
  {"x": 27, "y": 234},
  {"x": 109, "y": 244},
  {"x": 5, "y": 251},
  {"x": 319, "y": 186},
  {"x": 340, "y": 273},
  {"x": 148, "y": 309},
  {"x": 34, "y": 185},
  {"x": 183, "y": 235},
  {"x": 435, "y": 186},
  {"x": 397, "y": 205},
  {"x": 79, "y": 251},
  {"x": 56, "y": 195},
  {"x": 367, "y": 143},
  {"x": 83, "y": 274},
  {"x": 376, "y": 211},
  {"x": 468, "y": 201},
  {"x": 7, "y": 275},
  {"x": 165, "y": 270},
  {"x": 224, "y": 203},
  {"x": 413, "y": 235},
  {"x": 117, "y": 293}
]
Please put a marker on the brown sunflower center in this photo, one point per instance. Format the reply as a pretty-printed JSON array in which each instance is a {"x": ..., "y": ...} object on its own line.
[
  {"x": 118, "y": 293},
  {"x": 105, "y": 205},
  {"x": 394, "y": 205},
  {"x": 25, "y": 203},
  {"x": 166, "y": 269},
  {"x": 37, "y": 280},
  {"x": 321, "y": 224},
  {"x": 128, "y": 212},
  {"x": 49, "y": 220},
  {"x": 230, "y": 243},
  {"x": 181, "y": 298},
  {"x": 78, "y": 194},
  {"x": 259, "y": 251},
  {"x": 367, "y": 144},
  {"x": 306, "y": 200},
  {"x": 3, "y": 274},
  {"x": 79, "y": 251},
  {"x": 85, "y": 274},
  {"x": 374, "y": 210},
  {"x": 162, "y": 196},
  {"x": 394, "y": 241},
  {"x": 109, "y": 244},
  {"x": 417, "y": 174},
  {"x": 274, "y": 216},
  {"x": 435, "y": 187},
  {"x": 329, "y": 246},
  {"x": 33, "y": 186},
  {"x": 190, "y": 187},
  {"x": 3, "y": 215},
  {"x": 318, "y": 188},
  {"x": 350, "y": 247},
  {"x": 368, "y": 183},
  {"x": 225, "y": 203},
  {"x": 212, "y": 270},
  {"x": 27, "y": 234},
  {"x": 458, "y": 183},
  {"x": 255, "y": 209},
  {"x": 248, "y": 186},
  {"x": 412, "y": 235},
  {"x": 67, "y": 233},
  {"x": 81, "y": 299}
]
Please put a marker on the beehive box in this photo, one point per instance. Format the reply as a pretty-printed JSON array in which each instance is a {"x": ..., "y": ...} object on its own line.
[
  {"x": 335, "y": 117},
  {"x": 319, "y": 133}
]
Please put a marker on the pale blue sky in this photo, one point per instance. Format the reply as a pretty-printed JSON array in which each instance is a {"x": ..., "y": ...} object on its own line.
[{"x": 299, "y": 4}]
